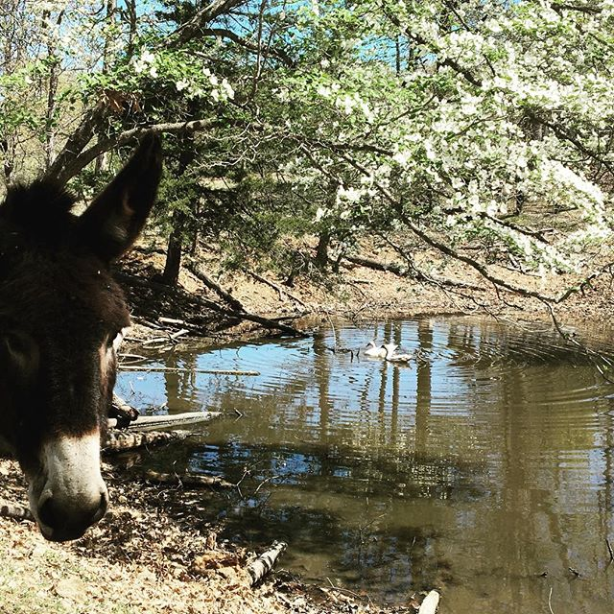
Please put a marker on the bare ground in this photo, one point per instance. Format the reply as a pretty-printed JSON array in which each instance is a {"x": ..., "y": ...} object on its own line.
[{"x": 361, "y": 293}]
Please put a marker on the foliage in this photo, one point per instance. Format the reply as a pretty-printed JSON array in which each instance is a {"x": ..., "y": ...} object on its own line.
[{"x": 444, "y": 120}]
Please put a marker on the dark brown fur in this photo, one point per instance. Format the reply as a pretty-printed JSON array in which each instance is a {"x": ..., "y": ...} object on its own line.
[{"x": 60, "y": 309}]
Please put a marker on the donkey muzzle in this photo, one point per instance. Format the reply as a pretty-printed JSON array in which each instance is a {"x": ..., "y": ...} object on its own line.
[{"x": 69, "y": 495}]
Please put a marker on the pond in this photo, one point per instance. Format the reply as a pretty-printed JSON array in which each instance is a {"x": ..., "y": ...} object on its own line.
[{"x": 484, "y": 467}]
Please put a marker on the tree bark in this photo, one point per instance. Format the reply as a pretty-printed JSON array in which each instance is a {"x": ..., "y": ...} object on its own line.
[
  {"x": 120, "y": 441},
  {"x": 321, "y": 258},
  {"x": 174, "y": 252},
  {"x": 264, "y": 563}
]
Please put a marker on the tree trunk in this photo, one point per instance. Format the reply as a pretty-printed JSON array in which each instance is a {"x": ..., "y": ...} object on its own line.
[
  {"x": 52, "y": 90},
  {"x": 102, "y": 161},
  {"x": 173, "y": 256},
  {"x": 321, "y": 259}
]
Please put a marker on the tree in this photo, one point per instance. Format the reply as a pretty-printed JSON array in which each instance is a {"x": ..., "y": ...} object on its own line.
[{"x": 439, "y": 120}]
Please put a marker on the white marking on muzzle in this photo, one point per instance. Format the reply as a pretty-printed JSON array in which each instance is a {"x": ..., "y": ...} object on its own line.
[{"x": 71, "y": 478}]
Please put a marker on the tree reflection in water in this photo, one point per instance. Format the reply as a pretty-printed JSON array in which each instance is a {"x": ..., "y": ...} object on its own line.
[{"x": 482, "y": 464}]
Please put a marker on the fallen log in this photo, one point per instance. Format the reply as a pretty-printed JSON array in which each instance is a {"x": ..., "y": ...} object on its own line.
[
  {"x": 264, "y": 563},
  {"x": 199, "y": 272},
  {"x": 186, "y": 480},
  {"x": 150, "y": 423},
  {"x": 14, "y": 510},
  {"x": 121, "y": 441},
  {"x": 122, "y": 412}
]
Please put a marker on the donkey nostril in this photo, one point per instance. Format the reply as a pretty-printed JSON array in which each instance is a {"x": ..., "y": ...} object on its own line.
[
  {"x": 70, "y": 521},
  {"x": 48, "y": 514},
  {"x": 102, "y": 507}
]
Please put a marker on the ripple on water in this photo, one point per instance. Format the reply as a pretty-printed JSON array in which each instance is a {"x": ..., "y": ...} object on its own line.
[{"x": 491, "y": 450}]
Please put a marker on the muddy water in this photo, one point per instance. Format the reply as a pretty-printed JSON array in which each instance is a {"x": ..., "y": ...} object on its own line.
[{"x": 485, "y": 467}]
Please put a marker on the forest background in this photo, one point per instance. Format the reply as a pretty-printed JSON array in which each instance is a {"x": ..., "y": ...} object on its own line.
[{"x": 479, "y": 131}]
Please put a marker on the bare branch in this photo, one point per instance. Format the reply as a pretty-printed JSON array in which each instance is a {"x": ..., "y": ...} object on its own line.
[
  {"x": 280, "y": 54},
  {"x": 78, "y": 162},
  {"x": 195, "y": 26},
  {"x": 81, "y": 136}
]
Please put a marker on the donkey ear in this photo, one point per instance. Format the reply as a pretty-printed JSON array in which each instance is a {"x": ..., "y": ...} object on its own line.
[{"x": 114, "y": 220}]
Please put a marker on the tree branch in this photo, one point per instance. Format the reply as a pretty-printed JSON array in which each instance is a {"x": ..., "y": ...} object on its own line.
[
  {"x": 75, "y": 143},
  {"x": 474, "y": 264},
  {"x": 72, "y": 167},
  {"x": 242, "y": 42},
  {"x": 195, "y": 26}
]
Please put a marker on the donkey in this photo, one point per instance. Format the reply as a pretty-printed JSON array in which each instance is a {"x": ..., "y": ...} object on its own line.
[{"x": 62, "y": 318}]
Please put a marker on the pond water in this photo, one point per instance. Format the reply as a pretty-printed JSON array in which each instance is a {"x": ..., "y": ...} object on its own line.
[{"x": 485, "y": 467}]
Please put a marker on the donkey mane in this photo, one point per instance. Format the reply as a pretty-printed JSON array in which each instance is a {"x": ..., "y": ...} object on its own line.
[{"x": 33, "y": 207}]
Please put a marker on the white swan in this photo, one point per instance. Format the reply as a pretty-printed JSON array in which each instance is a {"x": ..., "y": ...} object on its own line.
[
  {"x": 374, "y": 351},
  {"x": 391, "y": 355}
]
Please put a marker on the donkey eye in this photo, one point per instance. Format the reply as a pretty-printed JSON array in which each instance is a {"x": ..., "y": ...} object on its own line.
[{"x": 20, "y": 350}]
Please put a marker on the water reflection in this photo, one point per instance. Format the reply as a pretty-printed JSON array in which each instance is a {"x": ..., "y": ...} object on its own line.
[{"x": 480, "y": 467}]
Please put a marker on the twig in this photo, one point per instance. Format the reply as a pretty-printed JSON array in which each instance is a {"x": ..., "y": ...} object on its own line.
[
  {"x": 14, "y": 510},
  {"x": 607, "y": 543},
  {"x": 347, "y": 591},
  {"x": 272, "y": 477},
  {"x": 550, "y": 602}
]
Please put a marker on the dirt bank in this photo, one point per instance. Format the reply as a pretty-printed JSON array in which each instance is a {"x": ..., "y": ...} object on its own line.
[
  {"x": 147, "y": 556},
  {"x": 356, "y": 291}
]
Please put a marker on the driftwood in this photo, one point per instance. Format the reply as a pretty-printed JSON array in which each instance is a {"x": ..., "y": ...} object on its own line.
[
  {"x": 14, "y": 510},
  {"x": 131, "y": 357},
  {"x": 264, "y": 563},
  {"x": 121, "y": 441},
  {"x": 171, "y": 321},
  {"x": 199, "y": 272},
  {"x": 122, "y": 412},
  {"x": 152, "y": 423},
  {"x": 181, "y": 370},
  {"x": 187, "y": 480},
  {"x": 170, "y": 337},
  {"x": 430, "y": 603}
]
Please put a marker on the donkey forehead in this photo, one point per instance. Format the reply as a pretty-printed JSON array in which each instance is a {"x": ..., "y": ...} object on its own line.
[{"x": 61, "y": 289}]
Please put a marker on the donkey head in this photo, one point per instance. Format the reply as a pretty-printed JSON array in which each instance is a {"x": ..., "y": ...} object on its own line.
[{"x": 61, "y": 320}]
